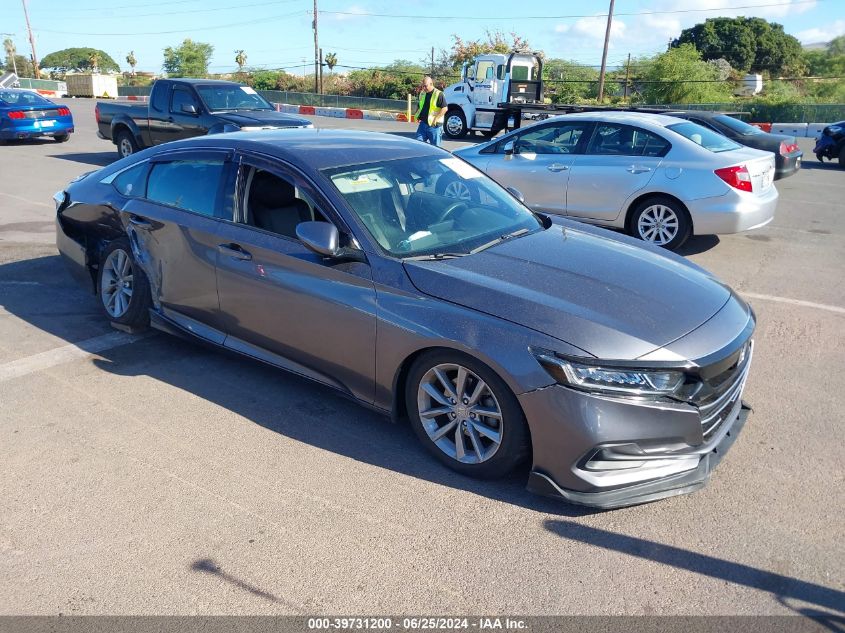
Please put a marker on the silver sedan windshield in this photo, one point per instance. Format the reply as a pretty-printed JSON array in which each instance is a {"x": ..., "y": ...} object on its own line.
[{"x": 431, "y": 205}]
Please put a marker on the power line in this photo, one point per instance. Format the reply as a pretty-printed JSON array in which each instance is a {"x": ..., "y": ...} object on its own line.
[
  {"x": 161, "y": 13},
  {"x": 561, "y": 17},
  {"x": 184, "y": 30}
]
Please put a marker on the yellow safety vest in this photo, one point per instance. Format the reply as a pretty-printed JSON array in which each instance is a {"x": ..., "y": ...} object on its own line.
[{"x": 433, "y": 110}]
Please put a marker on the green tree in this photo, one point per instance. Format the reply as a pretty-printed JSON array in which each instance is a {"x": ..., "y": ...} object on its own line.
[
  {"x": 94, "y": 60},
  {"x": 748, "y": 44},
  {"x": 331, "y": 61},
  {"x": 496, "y": 42},
  {"x": 680, "y": 76},
  {"x": 16, "y": 63},
  {"x": 189, "y": 59},
  {"x": 836, "y": 46},
  {"x": 569, "y": 82},
  {"x": 79, "y": 60},
  {"x": 132, "y": 61}
]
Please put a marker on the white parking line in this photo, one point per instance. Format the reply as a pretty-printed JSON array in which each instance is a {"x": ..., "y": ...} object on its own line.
[
  {"x": 795, "y": 302},
  {"x": 27, "y": 200},
  {"x": 65, "y": 354}
]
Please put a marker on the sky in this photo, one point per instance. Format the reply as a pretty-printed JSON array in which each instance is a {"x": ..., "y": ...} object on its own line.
[{"x": 364, "y": 33}]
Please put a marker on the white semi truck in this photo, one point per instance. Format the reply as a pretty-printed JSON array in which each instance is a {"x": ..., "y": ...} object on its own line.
[{"x": 493, "y": 91}]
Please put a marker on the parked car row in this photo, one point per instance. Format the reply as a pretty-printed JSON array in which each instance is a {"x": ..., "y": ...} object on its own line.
[{"x": 502, "y": 333}]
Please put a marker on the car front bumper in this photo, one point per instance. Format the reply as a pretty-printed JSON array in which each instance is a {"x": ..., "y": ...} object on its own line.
[
  {"x": 609, "y": 452},
  {"x": 734, "y": 212}
]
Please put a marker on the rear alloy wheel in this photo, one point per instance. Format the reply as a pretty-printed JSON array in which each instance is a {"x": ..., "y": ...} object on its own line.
[
  {"x": 455, "y": 124},
  {"x": 126, "y": 145},
  {"x": 465, "y": 415},
  {"x": 123, "y": 287},
  {"x": 662, "y": 222}
]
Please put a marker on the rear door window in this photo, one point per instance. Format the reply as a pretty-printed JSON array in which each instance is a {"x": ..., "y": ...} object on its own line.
[
  {"x": 612, "y": 139},
  {"x": 132, "y": 182},
  {"x": 159, "y": 97},
  {"x": 192, "y": 185}
]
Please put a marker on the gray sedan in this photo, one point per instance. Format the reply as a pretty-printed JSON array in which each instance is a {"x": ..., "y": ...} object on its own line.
[
  {"x": 504, "y": 336},
  {"x": 658, "y": 178}
]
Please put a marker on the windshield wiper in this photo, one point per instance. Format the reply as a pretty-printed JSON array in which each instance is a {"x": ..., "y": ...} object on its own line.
[
  {"x": 433, "y": 256},
  {"x": 499, "y": 239}
]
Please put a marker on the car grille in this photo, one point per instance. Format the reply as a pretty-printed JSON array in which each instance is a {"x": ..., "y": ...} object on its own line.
[{"x": 723, "y": 392}]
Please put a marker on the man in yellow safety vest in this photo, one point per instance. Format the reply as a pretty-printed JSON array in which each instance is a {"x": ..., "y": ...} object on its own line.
[{"x": 432, "y": 110}]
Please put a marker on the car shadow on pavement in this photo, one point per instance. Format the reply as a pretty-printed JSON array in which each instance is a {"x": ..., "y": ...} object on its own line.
[
  {"x": 817, "y": 165},
  {"x": 784, "y": 588},
  {"x": 100, "y": 159},
  {"x": 698, "y": 244},
  {"x": 279, "y": 401}
]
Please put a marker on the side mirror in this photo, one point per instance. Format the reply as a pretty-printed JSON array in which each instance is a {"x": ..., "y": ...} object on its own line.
[
  {"x": 320, "y": 237},
  {"x": 189, "y": 108},
  {"x": 509, "y": 148},
  {"x": 516, "y": 193}
]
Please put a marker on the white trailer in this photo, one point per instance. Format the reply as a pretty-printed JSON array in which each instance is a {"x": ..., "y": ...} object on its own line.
[
  {"x": 87, "y": 85},
  {"x": 491, "y": 93}
]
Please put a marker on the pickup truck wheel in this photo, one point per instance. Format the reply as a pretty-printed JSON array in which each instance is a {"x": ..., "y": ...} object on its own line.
[
  {"x": 455, "y": 125},
  {"x": 126, "y": 145}
]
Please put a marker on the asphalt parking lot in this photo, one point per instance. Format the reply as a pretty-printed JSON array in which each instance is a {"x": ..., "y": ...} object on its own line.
[{"x": 148, "y": 475}]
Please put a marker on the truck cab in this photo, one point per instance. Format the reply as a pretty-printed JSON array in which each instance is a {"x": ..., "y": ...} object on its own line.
[{"x": 488, "y": 85}]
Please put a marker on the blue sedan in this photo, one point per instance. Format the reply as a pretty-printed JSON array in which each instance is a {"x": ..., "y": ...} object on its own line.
[{"x": 26, "y": 114}]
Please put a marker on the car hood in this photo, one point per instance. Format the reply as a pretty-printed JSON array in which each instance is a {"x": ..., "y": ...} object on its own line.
[
  {"x": 611, "y": 298},
  {"x": 269, "y": 118}
]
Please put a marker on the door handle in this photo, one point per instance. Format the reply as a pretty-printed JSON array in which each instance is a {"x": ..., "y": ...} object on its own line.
[
  {"x": 234, "y": 251},
  {"x": 557, "y": 167},
  {"x": 638, "y": 169},
  {"x": 140, "y": 223}
]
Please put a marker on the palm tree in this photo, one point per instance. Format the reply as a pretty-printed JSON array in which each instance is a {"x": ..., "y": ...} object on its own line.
[
  {"x": 11, "y": 53},
  {"x": 240, "y": 60},
  {"x": 132, "y": 61},
  {"x": 331, "y": 61},
  {"x": 94, "y": 60}
]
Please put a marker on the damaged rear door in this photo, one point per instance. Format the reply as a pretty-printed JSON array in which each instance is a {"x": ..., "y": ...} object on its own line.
[{"x": 175, "y": 231}]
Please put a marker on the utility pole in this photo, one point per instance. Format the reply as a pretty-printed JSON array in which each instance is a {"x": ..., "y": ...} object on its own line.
[
  {"x": 627, "y": 74},
  {"x": 321, "y": 70},
  {"x": 32, "y": 42},
  {"x": 604, "y": 54},
  {"x": 316, "y": 52}
]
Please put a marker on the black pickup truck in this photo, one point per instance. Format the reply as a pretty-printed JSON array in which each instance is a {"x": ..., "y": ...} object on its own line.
[{"x": 183, "y": 108}]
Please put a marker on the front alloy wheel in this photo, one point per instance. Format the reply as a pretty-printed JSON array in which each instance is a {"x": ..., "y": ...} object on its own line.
[{"x": 465, "y": 414}]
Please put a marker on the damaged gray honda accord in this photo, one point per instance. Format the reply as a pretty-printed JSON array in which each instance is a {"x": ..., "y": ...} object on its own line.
[{"x": 504, "y": 336}]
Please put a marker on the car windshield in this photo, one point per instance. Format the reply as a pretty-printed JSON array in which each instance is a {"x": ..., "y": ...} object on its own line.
[
  {"x": 431, "y": 206},
  {"x": 740, "y": 127},
  {"x": 702, "y": 136},
  {"x": 22, "y": 98},
  {"x": 229, "y": 97}
]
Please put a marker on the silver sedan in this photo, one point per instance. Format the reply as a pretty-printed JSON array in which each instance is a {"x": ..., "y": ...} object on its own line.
[{"x": 659, "y": 178}]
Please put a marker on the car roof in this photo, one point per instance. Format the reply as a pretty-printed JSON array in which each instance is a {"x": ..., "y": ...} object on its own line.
[
  {"x": 196, "y": 81},
  {"x": 317, "y": 148},
  {"x": 662, "y": 120}
]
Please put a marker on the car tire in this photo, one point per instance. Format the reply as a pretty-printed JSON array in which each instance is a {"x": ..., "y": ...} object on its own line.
[
  {"x": 461, "y": 436},
  {"x": 455, "y": 124},
  {"x": 820, "y": 158},
  {"x": 454, "y": 187},
  {"x": 126, "y": 144},
  {"x": 62, "y": 138},
  {"x": 122, "y": 286},
  {"x": 661, "y": 221}
]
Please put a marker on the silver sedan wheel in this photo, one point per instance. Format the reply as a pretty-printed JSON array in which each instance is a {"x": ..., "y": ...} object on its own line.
[
  {"x": 454, "y": 124},
  {"x": 125, "y": 147},
  {"x": 457, "y": 189},
  {"x": 459, "y": 413},
  {"x": 658, "y": 224},
  {"x": 116, "y": 283}
]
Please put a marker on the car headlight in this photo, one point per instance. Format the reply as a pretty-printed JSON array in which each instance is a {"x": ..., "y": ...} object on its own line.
[{"x": 612, "y": 380}]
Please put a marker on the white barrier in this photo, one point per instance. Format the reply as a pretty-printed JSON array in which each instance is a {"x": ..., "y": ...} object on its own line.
[
  {"x": 795, "y": 129},
  {"x": 815, "y": 129}
]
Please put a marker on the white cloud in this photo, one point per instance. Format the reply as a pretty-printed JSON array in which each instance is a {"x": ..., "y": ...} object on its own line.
[{"x": 822, "y": 33}]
